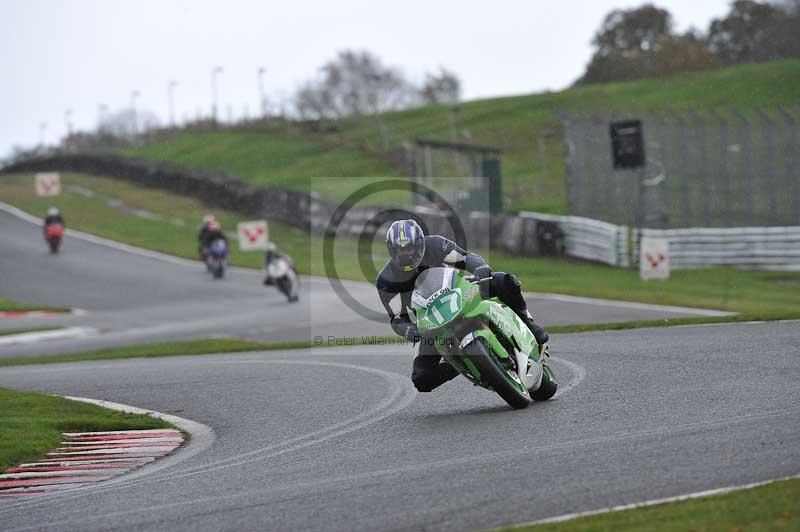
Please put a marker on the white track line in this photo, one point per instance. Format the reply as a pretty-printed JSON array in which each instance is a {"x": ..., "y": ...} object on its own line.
[
  {"x": 122, "y": 450},
  {"x": 42, "y": 336},
  {"x": 165, "y": 439},
  {"x": 59, "y": 474},
  {"x": 115, "y": 432},
  {"x": 578, "y": 375},
  {"x": 57, "y": 463},
  {"x": 654, "y": 502}
]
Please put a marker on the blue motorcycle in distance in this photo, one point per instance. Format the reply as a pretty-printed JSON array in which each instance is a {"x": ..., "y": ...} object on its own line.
[{"x": 217, "y": 258}]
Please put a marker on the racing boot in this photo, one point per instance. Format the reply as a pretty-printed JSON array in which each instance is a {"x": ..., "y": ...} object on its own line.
[{"x": 538, "y": 332}]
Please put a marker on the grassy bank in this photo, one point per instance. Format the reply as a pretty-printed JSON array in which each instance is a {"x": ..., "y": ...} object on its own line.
[
  {"x": 31, "y": 423},
  {"x": 770, "y": 507},
  {"x": 9, "y": 332},
  {"x": 721, "y": 288},
  {"x": 275, "y": 157},
  {"x": 165, "y": 349},
  {"x": 8, "y": 305}
]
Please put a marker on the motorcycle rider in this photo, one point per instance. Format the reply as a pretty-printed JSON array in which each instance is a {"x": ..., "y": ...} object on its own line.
[
  {"x": 270, "y": 255},
  {"x": 410, "y": 253},
  {"x": 209, "y": 231},
  {"x": 53, "y": 217}
]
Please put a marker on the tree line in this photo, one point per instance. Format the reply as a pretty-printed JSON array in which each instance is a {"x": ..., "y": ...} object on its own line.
[{"x": 642, "y": 42}]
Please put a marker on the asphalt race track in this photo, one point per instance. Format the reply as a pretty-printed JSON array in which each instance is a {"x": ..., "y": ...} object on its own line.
[
  {"x": 338, "y": 439},
  {"x": 131, "y": 298}
]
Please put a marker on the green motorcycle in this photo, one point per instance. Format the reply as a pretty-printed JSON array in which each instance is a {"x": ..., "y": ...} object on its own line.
[{"x": 481, "y": 337}]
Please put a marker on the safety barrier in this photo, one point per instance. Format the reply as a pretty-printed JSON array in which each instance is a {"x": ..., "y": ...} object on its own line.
[
  {"x": 590, "y": 239},
  {"x": 762, "y": 248}
]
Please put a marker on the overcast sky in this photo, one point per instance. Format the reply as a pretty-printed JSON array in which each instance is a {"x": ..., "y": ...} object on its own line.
[{"x": 57, "y": 55}]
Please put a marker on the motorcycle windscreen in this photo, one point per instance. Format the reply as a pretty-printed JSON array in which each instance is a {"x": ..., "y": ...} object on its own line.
[
  {"x": 432, "y": 281},
  {"x": 218, "y": 247}
]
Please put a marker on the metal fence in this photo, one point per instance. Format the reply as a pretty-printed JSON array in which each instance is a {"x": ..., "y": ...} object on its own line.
[{"x": 715, "y": 168}]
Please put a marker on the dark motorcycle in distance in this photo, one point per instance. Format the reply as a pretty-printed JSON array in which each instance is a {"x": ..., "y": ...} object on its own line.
[
  {"x": 217, "y": 258},
  {"x": 53, "y": 234}
]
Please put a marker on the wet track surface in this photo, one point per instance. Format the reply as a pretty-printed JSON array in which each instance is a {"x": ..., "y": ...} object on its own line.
[
  {"x": 338, "y": 439},
  {"x": 138, "y": 299}
]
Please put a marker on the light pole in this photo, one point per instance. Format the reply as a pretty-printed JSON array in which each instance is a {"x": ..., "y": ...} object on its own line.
[
  {"x": 214, "y": 72},
  {"x": 134, "y": 95},
  {"x": 262, "y": 99},
  {"x": 171, "y": 100},
  {"x": 452, "y": 118},
  {"x": 102, "y": 109},
  {"x": 42, "y": 131},
  {"x": 68, "y": 122}
]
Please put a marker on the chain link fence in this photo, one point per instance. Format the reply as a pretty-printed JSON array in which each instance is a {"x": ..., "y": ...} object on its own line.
[{"x": 711, "y": 168}]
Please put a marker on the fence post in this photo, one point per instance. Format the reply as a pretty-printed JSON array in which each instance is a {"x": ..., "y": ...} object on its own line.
[
  {"x": 767, "y": 125},
  {"x": 747, "y": 153},
  {"x": 791, "y": 164},
  {"x": 725, "y": 212},
  {"x": 685, "y": 201},
  {"x": 702, "y": 142}
]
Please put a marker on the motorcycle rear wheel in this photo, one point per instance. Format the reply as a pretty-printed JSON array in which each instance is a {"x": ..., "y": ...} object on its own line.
[
  {"x": 546, "y": 390},
  {"x": 495, "y": 376}
]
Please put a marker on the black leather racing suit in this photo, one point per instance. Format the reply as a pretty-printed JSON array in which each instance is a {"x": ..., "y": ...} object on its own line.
[
  {"x": 428, "y": 371},
  {"x": 205, "y": 237}
]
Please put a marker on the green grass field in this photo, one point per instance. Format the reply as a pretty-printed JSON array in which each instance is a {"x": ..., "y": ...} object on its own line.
[
  {"x": 775, "y": 506},
  {"x": 10, "y": 305},
  {"x": 273, "y": 157},
  {"x": 189, "y": 347},
  {"x": 31, "y": 423},
  {"x": 763, "y": 294}
]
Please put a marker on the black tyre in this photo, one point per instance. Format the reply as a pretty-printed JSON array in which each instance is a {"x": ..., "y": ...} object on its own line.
[
  {"x": 547, "y": 389},
  {"x": 283, "y": 286},
  {"x": 54, "y": 247},
  {"x": 219, "y": 271},
  {"x": 495, "y": 376}
]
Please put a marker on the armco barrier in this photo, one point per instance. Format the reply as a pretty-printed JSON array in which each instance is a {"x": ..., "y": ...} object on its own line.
[
  {"x": 759, "y": 248},
  {"x": 590, "y": 239}
]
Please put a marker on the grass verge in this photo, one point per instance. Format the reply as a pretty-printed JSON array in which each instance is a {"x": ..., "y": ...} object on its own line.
[
  {"x": 773, "y": 506},
  {"x": 165, "y": 349},
  {"x": 7, "y": 305},
  {"x": 533, "y": 175},
  {"x": 9, "y": 332},
  {"x": 31, "y": 423},
  {"x": 728, "y": 289}
]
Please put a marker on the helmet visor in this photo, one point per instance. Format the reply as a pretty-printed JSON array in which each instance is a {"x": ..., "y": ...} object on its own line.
[{"x": 408, "y": 258}]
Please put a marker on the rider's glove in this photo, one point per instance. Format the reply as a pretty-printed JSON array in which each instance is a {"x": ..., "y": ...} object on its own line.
[
  {"x": 482, "y": 272},
  {"x": 404, "y": 327}
]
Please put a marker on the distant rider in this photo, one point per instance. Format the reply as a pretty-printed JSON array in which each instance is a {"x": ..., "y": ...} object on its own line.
[
  {"x": 53, "y": 218},
  {"x": 209, "y": 231},
  {"x": 410, "y": 253},
  {"x": 270, "y": 255}
]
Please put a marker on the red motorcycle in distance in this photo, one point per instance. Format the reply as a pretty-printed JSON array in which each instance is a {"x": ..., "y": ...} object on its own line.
[{"x": 53, "y": 234}]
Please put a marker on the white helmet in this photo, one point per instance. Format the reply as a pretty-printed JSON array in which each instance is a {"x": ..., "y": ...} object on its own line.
[{"x": 53, "y": 211}]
